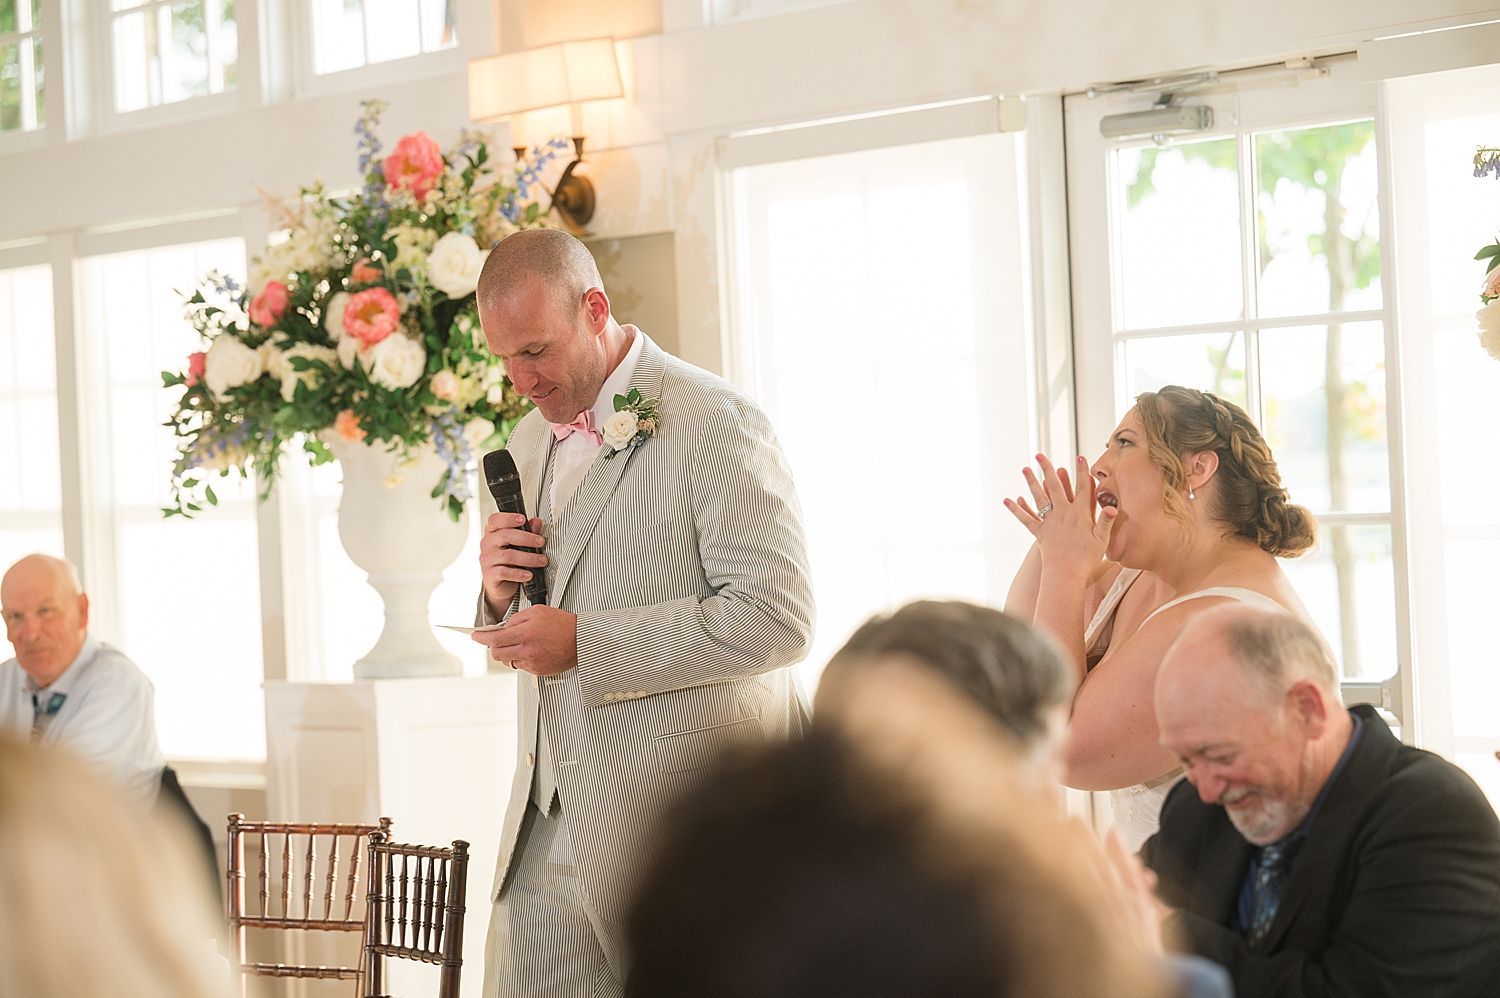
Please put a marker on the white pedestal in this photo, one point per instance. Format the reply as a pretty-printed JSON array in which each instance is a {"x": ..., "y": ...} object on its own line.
[{"x": 434, "y": 755}]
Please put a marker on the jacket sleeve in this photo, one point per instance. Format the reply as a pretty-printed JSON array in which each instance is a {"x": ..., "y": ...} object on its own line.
[
  {"x": 1421, "y": 918},
  {"x": 112, "y": 727},
  {"x": 754, "y": 555}
]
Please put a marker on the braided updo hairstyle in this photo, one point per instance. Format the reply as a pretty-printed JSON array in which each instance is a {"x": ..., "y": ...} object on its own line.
[{"x": 1249, "y": 498}]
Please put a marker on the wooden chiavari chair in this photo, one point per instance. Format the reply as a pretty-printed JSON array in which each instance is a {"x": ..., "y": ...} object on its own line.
[
  {"x": 340, "y": 909},
  {"x": 415, "y": 910}
]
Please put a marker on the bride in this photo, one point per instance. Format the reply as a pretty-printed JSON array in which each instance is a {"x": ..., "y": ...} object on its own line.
[{"x": 1183, "y": 511}]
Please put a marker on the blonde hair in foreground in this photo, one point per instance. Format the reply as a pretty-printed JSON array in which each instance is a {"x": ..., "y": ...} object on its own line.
[
  {"x": 1073, "y": 934},
  {"x": 95, "y": 899}
]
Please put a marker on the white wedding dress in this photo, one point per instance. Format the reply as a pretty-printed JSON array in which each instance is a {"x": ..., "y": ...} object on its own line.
[{"x": 1137, "y": 809}]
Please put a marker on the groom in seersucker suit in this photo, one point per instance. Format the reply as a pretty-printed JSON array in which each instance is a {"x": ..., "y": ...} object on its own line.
[{"x": 679, "y": 596}]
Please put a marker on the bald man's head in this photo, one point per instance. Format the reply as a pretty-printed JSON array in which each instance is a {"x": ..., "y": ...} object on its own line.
[
  {"x": 561, "y": 264},
  {"x": 46, "y": 615},
  {"x": 544, "y": 312},
  {"x": 1248, "y": 699}
]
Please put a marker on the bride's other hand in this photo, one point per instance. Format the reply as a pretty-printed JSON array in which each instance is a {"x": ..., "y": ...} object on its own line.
[{"x": 1068, "y": 523}]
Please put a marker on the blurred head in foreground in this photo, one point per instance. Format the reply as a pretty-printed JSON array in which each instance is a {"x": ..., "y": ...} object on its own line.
[
  {"x": 875, "y": 858},
  {"x": 1006, "y": 666},
  {"x": 92, "y": 901}
]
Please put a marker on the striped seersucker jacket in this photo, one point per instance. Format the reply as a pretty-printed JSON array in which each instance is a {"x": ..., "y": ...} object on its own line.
[{"x": 685, "y": 561}]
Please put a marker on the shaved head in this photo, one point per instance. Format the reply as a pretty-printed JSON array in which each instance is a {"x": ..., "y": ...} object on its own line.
[
  {"x": 561, "y": 264},
  {"x": 46, "y": 615}
]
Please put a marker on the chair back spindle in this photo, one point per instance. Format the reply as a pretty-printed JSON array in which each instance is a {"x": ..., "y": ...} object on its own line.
[
  {"x": 416, "y": 912},
  {"x": 345, "y": 839}
]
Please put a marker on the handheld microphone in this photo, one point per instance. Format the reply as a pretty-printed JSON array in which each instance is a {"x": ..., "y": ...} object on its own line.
[{"x": 505, "y": 485}]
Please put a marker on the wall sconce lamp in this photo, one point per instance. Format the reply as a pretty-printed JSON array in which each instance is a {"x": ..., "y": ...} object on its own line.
[{"x": 569, "y": 73}]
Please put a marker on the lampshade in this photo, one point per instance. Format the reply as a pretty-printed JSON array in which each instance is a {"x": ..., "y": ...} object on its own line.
[{"x": 501, "y": 85}]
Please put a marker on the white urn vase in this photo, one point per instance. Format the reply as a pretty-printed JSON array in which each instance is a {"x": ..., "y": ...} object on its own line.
[{"x": 393, "y": 529}]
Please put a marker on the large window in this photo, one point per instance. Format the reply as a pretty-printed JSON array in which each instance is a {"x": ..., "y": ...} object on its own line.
[
  {"x": 30, "y": 497},
  {"x": 21, "y": 76},
  {"x": 185, "y": 593},
  {"x": 168, "y": 50},
  {"x": 1248, "y": 262},
  {"x": 351, "y": 33},
  {"x": 881, "y": 323}
]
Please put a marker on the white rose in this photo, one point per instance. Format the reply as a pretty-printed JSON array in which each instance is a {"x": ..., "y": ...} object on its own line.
[
  {"x": 312, "y": 378},
  {"x": 229, "y": 364},
  {"x": 495, "y": 394},
  {"x": 396, "y": 362},
  {"x": 477, "y": 431},
  {"x": 349, "y": 349},
  {"x": 445, "y": 385},
  {"x": 270, "y": 356},
  {"x": 453, "y": 265},
  {"x": 619, "y": 429},
  {"x": 333, "y": 316},
  {"x": 1489, "y": 328}
]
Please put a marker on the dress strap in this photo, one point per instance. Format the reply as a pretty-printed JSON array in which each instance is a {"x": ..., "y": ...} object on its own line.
[
  {"x": 1096, "y": 635},
  {"x": 1230, "y": 592}
]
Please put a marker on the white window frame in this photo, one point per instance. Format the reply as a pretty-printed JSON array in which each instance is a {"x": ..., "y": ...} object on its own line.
[
  {"x": 26, "y": 31},
  {"x": 422, "y": 65},
  {"x": 1252, "y": 102},
  {"x": 101, "y": 84}
]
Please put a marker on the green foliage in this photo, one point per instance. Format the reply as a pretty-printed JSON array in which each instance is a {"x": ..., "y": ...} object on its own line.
[{"x": 1219, "y": 154}]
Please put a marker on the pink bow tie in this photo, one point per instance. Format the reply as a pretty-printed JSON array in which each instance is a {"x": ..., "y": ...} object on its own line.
[{"x": 583, "y": 424}]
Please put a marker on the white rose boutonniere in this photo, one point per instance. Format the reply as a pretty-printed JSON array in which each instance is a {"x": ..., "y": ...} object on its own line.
[{"x": 635, "y": 419}]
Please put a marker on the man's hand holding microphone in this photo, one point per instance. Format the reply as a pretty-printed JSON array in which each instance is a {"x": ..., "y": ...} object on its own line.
[{"x": 540, "y": 639}]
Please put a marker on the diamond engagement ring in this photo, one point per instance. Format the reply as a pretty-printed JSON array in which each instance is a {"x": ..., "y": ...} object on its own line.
[{"x": 1042, "y": 511}]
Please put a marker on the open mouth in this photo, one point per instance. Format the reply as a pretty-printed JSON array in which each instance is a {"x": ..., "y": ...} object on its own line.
[
  {"x": 538, "y": 396},
  {"x": 1107, "y": 499}
]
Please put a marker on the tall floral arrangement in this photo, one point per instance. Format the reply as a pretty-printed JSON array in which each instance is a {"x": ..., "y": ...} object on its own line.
[
  {"x": 361, "y": 325},
  {"x": 1487, "y": 161}
]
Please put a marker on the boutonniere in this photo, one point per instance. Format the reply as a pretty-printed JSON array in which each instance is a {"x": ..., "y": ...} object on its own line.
[{"x": 634, "y": 420}]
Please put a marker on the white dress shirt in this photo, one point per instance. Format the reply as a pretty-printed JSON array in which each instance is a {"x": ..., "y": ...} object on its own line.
[
  {"x": 576, "y": 455},
  {"x": 108, "y": 718}
]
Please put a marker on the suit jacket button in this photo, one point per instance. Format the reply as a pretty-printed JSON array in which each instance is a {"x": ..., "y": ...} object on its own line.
[{"x": 530, "y": 759}]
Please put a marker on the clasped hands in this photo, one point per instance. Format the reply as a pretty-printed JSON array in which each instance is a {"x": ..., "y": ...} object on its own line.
[
  {"x": 541, "y": 640},
  {"x": 1065, "y": 523}
]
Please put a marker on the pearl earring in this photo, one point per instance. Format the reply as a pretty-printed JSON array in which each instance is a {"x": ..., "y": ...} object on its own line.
[{"x": 1190, "y": 493}]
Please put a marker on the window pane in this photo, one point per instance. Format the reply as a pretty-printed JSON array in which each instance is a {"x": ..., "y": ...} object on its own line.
[
  {"x": 1347, "y": 583},
  {"x": 392, "y": 30},
  {"x": 8, "y": 14},
  {"x": 838, "y": 223},
  {"x": 132, "y": 62},
  {"x": 439, "y": 18},
  {"x": 30, "y": 504},
  {"x": 185, "y": 62},
  {"x": 229, "y": 44},
  {"x": 187, "y": 591},
  {"x": 340, "y": 35},
  {"x": 1179, "y": 239},
  {"x": 10, "y": 87},
  {"x": 1307, "y": 373},
  {"x": 1209, "y": 362},
  {"x": 38, "y": 86},
  {"x": 1319, "y": 219}
]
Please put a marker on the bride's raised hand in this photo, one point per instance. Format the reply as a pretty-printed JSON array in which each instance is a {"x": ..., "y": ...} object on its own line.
[{"x": 1068, "y": 524}]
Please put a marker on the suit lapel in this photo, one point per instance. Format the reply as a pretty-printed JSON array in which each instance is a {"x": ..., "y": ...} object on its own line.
[
  {"x": 1221, "y": 870},
  {"x": 583, "y": 510},
  {"x": 1327, "y": 839}
]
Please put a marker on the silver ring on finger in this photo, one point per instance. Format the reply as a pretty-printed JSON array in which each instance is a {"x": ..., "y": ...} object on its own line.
[{"x": 1042, "y": 511}]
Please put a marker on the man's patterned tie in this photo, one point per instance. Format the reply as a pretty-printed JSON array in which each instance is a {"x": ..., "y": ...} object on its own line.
[
  {"x": 42, "y": 714},
  {"x": 1270, "y": 884}
]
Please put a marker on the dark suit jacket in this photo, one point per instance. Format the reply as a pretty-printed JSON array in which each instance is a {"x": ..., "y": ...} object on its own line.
[{"x": 1396, "y": 890}]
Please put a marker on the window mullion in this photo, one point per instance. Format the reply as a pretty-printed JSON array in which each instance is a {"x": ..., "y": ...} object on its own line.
[{"x": 1249, "y": 274}]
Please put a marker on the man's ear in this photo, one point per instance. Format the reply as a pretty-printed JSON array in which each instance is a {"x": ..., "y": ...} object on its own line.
[
  {"x": 83, "y": 610},
  {"x": 596, "y": 307},
  {"x": 1309, "y": 704}
]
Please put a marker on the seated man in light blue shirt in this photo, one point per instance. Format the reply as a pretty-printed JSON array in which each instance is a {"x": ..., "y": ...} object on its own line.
[{"x": 67, "y": 687}]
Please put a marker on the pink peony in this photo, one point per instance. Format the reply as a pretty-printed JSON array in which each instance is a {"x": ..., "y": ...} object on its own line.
[
  {"x": 415, "y": 164},
  {"x": 267, "y": 307},
  {"x": 197, "y": 364},
  {"x": 1492, "y": 284},
  {"x": 365, "y": 272},
  {"x": 346, "y": 425},
  {"x": 371, "y": 315},
  {"x": 445, "y": 385}
]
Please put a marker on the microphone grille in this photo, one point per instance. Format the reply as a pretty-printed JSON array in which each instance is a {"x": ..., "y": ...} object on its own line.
[{"x": 498, "y": 466}]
